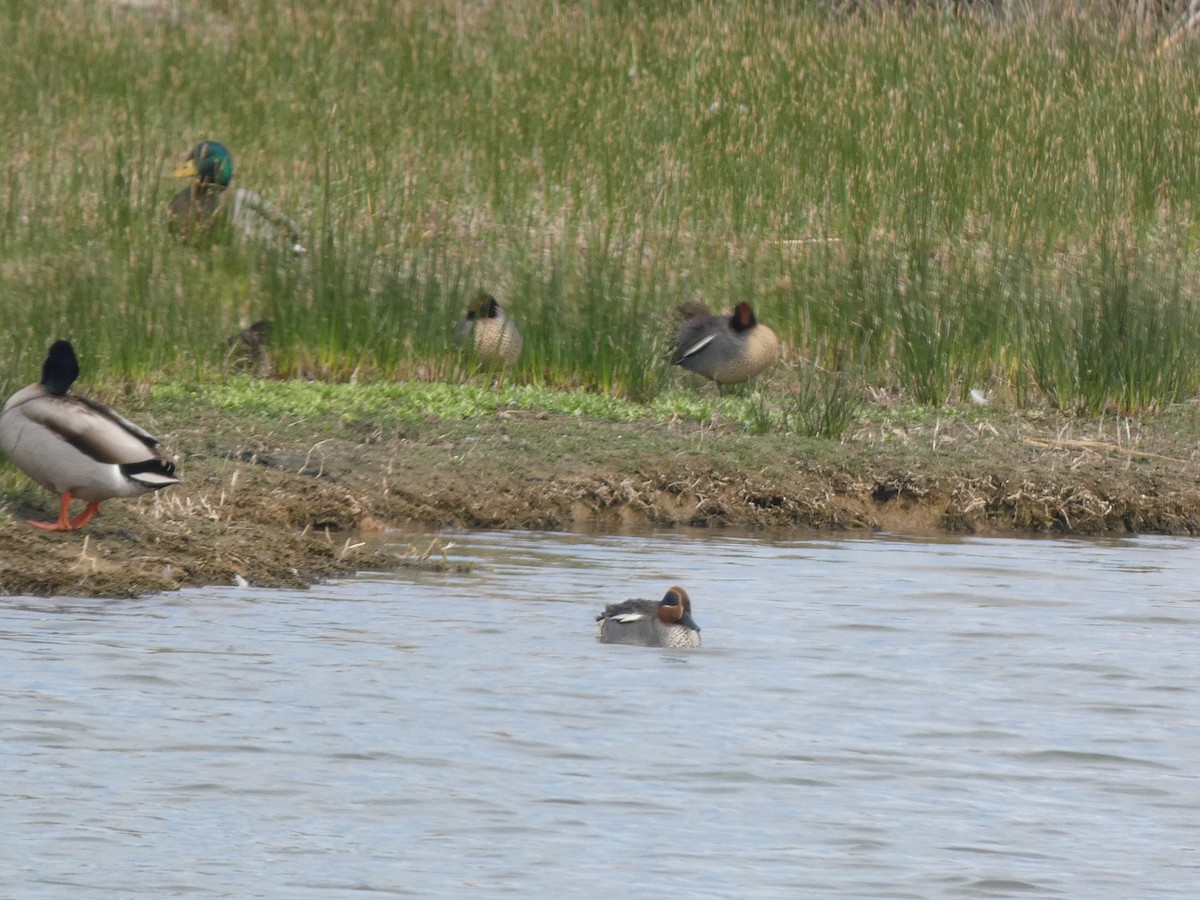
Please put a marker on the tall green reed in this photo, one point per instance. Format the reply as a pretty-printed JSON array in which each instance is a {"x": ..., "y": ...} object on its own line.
[
  {"x": 1122, "y": 335},
  {"x": 924, "y": 194}
]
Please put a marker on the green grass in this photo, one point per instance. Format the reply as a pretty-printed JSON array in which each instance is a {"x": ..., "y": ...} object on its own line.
[
  {"x": 417, "y": 403},
  {"x": 945, "y": 203}
]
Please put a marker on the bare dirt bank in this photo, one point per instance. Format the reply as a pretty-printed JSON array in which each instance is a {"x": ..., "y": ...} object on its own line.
[{"x": 279, "y": 504}]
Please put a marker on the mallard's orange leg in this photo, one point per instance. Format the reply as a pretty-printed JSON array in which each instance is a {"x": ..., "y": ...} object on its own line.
[
  {"x": 86, "y": 516},
  {"x": 64, "y": 522}
]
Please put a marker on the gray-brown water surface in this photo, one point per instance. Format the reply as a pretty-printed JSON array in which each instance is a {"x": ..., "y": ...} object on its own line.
[{"x": 875, "y": 717}]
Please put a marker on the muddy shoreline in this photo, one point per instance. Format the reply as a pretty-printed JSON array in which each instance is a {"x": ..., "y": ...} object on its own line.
[{"x": 279, "y": 504}]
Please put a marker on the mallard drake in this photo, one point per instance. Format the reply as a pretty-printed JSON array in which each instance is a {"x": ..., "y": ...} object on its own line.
[
  {"x": 496, "y": 338},
  {"x": 78, "y": 447},
  {"x": 727, "y": 349},
  {"x": 667, "y": 623},
  {"x": 201, "y": 206}
]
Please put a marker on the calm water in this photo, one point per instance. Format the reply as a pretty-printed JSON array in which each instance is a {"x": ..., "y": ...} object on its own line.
[{"x": 868, "y": 718}]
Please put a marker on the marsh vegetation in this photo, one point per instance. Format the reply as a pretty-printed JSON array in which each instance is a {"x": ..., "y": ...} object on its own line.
[{"x": 918, "y": 203}]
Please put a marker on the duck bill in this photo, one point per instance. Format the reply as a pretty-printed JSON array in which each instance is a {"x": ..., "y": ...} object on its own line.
[
  {"x": 687, "y": 621},
  {"x": 187, "y": 170}
]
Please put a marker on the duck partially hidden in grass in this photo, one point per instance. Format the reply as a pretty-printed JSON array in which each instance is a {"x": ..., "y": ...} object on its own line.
[
  {"x": 727, "y": 349},
  {"x": 208, "y": 202},
  {"x": 667, "y": 623},
  {"x": 492, "y": 335},
  {"x": 78, "y": 447},
  {"x": 247, "y": 351}
]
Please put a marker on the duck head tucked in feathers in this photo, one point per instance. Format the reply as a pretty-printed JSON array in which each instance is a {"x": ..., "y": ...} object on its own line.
[
  {"x": 646, "y": 623},
  {"x": 492, "y": 335},
  {"x": 726, "y": 349}
]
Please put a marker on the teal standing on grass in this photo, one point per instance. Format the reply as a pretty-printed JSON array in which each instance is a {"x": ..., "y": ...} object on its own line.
[
  {"x": 726, "y": 349},
  {"x": 76, "y": 447},
  {"x": 209, "y": 202}
]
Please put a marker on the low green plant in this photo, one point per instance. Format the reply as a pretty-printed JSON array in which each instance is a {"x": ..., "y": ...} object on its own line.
[{"x": 823, "y": 403}]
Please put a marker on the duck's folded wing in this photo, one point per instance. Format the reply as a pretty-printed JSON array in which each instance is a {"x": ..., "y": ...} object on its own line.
[
  {"x": 692, "y": 337},
  {"x": 153, "y": 473},
  {"x": 93, "y": 429},
  {"x": 248, "y": 204},
  {"x": 626, "y": 618},
  {"x": 627, "y": 611}
]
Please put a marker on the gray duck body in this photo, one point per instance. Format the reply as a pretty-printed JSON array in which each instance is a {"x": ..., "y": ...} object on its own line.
[
  {"x": 649, "y": 623},
  {"x": 725, "y": 349},
  {"x": 78, "y": 447}
]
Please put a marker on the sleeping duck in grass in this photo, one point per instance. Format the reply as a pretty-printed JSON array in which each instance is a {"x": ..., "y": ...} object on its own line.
[
  {"x": 486, "y": 330},
  {"x": 76, "y": 447},
  {"x": 727, "y": 349},
  {"x": 209, "y": 201}
]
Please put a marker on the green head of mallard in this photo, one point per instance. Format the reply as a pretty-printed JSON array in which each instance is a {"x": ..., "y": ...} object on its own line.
[{"x": 210, "y": 163}]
